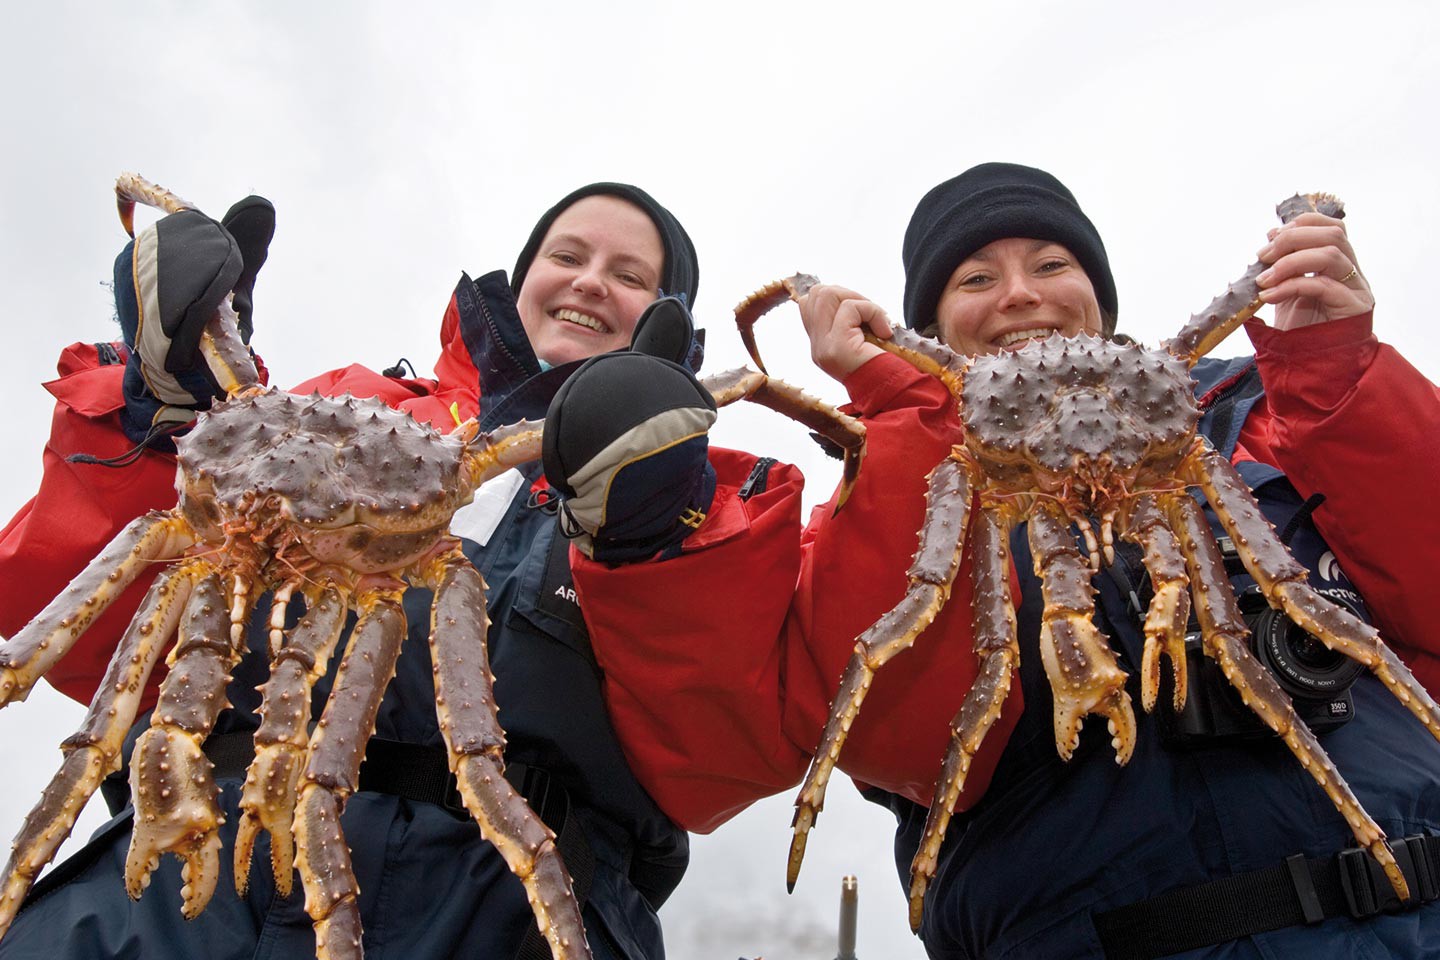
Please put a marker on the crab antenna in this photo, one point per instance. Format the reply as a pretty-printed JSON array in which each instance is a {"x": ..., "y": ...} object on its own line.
[
  {"x": 1241, "y": 299},
  {"x": 131, "y": 188},
  {"x": 764, "y": 300}
]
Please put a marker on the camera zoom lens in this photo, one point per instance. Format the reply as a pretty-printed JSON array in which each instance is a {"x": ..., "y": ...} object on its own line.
[{"x": 1301, "y": 663}]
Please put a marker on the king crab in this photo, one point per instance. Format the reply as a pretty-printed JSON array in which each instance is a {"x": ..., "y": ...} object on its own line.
[
  {"x": 1056, "y": 432},
  {"x": 343, "y": 502}
]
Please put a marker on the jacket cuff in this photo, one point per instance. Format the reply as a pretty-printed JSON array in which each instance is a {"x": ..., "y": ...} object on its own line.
[
  {"x": 1348, "y": 333},
  {"x": 1320, "y": 363}
]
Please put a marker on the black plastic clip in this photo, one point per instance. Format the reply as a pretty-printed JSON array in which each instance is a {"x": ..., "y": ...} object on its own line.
[{"x": 1367, "y": 888}]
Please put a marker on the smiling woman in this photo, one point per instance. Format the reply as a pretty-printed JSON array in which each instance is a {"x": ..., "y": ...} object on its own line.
[
  {"x": 597, "y": 268},
  {"x": 592, "y": 263},
  {"x": 1013, "y": 290}
]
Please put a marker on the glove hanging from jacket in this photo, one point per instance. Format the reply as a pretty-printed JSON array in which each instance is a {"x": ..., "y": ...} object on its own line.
[
  {"x": 169, "y": 281},
  {"x": 626, "y": 444}
]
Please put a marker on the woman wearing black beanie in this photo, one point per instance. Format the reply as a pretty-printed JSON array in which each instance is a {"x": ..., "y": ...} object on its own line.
[{"x": 1212, "y": 839}]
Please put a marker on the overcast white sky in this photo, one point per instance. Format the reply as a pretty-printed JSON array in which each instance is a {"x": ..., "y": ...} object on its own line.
[{"x": 401, "y": 149}]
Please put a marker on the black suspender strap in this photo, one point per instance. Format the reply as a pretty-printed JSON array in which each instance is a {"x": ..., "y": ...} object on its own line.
[
  {"x": 421, "y": 773},
  {"x": 1297, "y": 891}
]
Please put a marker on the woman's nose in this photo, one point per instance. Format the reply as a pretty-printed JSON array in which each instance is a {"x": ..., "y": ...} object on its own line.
[
  {"x": 1018, "y": 289},
  {"x": 591, "y": 283}
]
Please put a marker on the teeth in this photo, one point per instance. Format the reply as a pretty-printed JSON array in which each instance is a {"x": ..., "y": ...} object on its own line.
[
  {"x": 1018, "y": 335},
  {"x": 582, "y": 319}
]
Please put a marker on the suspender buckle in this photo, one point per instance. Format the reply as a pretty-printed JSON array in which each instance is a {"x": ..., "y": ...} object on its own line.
[{"x": 1368, "y": 890}]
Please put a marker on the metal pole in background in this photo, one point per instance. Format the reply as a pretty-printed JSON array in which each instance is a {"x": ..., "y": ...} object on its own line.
[{"x": 849, "y": 905}]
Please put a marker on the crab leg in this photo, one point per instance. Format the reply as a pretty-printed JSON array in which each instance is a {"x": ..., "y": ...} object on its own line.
[
  {"x": 41, "y": 643},
  {"x": 93, "y": 751},
  {"x": 268, "y": 800},
  {"x": 131, "y": 188},
  {"x": 930, "y": 577},
  {"x": 926, "y": 355},
  {"x": 1169, "y": 612},
  {"x": 465, "y": 705},
  {"x": 1283, "y": 581},
  {"x": 1241, "y": 299},
  {"x": 170, "y": 776},
  {"x": 1084, "y": 675},
  {"x": 843, "y": 430},
  {"x": 761, "y": 302},
  {"x": 226, "y": 354},
  {"x": 999, "y": 656},
  {"x": 1225, "y": 634},
  {"x": 333, "y": 773},
  {"x": 504, "y": 447}
]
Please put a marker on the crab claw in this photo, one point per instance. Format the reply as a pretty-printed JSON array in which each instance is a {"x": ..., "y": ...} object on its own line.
[
  {"x": 1085, "y": 679},
  {"x": 175, "y": 812},
  {"x": 268, "y": 803}
]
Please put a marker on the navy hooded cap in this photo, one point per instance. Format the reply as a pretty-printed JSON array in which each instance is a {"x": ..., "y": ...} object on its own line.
[
  {"x": 990, "y": 202},
  {"x": 681, "y": 274}
]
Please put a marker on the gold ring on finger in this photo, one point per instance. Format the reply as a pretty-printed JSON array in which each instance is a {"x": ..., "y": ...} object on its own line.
[{"x": 1354, "y": 271}]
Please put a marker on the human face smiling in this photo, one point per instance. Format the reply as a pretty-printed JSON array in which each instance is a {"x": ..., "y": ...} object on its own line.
[
  {"x": 1012, "y": 290},
  {"x": 596, "y": 270}
]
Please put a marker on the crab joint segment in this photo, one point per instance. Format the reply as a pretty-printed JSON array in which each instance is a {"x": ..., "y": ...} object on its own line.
[{"x": 1241, "y": 299}]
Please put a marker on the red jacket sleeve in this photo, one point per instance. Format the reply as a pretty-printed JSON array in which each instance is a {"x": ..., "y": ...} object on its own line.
[
  {"x": 1353, "y": 420},
  {"x": 691, "y": 651},
  {"x": 79, "y": 509},
  {"x": 853, "y": 570}
]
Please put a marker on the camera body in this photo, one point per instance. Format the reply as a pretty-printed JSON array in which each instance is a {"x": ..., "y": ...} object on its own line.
[{"x": 1316, "y": 678}]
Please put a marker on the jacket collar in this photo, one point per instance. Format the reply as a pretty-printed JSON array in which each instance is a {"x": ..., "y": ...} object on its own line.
[{"x": 483, "y": 338}]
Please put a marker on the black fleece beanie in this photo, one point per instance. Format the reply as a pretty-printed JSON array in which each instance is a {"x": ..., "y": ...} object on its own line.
[
  {"x": 681, "y": 274},
  {"x": 992, "y": 202}
]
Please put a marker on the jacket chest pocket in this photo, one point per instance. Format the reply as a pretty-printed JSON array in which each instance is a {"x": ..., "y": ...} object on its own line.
[{"x": 545, "y": 592}]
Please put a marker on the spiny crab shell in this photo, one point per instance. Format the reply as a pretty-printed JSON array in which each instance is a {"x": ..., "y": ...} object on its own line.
[
  {"x": 361, "y": 485},
  {"x": 1060, "y": 410}
]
